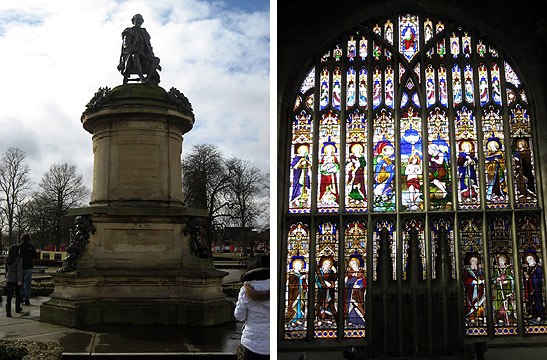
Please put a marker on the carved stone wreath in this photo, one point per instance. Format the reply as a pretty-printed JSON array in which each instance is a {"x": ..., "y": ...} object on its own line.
[
  {"x": 101, "y": 97},
  {"x": 180, "y": 101}
]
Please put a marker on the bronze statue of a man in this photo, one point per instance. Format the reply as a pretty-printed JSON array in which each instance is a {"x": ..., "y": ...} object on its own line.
[{"x": 137, "y": 56}]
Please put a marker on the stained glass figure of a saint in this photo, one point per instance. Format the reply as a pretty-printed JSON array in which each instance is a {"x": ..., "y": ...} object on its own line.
[
  {"x": 533, "y": 289},
  {"x": 475, "y": 295},
  {"x": 503, "y": 284},
  {"x": 467, "y": 173},
  {"x": 495, "y": 172},
  {"x": 325, "y": 282}
]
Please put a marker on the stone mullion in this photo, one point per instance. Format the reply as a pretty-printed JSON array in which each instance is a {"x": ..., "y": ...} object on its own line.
[
  {"x": 543, "y": 254},
  {"x": 369, "y": 65},
  {"x": 344, "y": 66},
  {"x": 487, "y": 275},
  {"x": 451, "y": 114},
  {"x": 429, "y": 273},
  {"x": 516, "y": 275},
  {"x": 340, "y": 321},
  {"x": 316, "y": 119},
  {"x": 458, "y": 262},
  {"x": 369, "y": 273},
  {"x": 282, "y": 271},
  {"x": 399, "y": 275},
  {"x": 511, "y": 186},
  {"x": 313, "y": 205},
  {"x": 311, "y": 280}
]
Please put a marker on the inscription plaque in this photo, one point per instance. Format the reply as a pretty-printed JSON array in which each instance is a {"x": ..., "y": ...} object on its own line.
[
  {"x": 149, "y": 241},
  {"x": 139, "y": 166}
]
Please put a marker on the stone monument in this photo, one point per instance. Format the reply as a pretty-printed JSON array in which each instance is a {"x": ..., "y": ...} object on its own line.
[{"x": 135, "y": 255}]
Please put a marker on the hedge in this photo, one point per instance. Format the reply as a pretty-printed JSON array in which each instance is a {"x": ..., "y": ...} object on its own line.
[{"x": 17, "y": 349}]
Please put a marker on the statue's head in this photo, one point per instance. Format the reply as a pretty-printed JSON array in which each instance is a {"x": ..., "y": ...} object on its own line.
[
  {"x": 137, "y": 20},
  {"x": 79, "y": 222}
]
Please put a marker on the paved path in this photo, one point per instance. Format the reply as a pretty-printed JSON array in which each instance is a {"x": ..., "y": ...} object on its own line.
[{"x": 120, "y": 339}]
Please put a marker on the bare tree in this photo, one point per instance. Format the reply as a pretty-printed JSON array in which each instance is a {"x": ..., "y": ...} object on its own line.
[
  {"x": 62, "y": 188},
  {"x": 234, "y": 191},
  {"x": 204, "y": 182},
  {"x": 14, "y": 182},
  {"x": 248, "y": 197},
  {"x": 37, "y": 214}
]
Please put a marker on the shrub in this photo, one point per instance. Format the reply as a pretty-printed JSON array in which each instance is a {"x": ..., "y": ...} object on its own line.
[{"x": 16, "y": 349}]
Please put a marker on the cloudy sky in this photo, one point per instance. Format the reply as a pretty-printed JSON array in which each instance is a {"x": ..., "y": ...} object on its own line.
[{"x": 56, "y": 54}]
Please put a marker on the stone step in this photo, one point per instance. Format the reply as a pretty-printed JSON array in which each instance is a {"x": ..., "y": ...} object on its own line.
[{"x": 149, "y": 356}]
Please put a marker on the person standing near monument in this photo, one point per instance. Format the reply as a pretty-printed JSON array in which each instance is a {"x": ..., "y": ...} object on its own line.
[
  {"x": 253, "y": 306},
  {"x": 14, "y": 278},
  {"x": 28, "y": 254}
]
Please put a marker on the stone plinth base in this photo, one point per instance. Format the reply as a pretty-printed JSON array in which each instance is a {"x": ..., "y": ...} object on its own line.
[
  {"x": 138, "y": 268},
  {"x": 85, "y": 299}
]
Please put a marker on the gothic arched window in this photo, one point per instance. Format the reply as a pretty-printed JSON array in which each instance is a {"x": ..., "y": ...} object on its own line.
[{"x": 411, "y": 167}]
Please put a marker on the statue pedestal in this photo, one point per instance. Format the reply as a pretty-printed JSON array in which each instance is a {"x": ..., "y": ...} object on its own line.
[{"x": 138, "y": 266}]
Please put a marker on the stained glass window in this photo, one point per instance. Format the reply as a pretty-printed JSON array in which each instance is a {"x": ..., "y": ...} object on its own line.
[
  {"x": 411, "y": 161},
  {"x": 336, "y": 88},
  {"x": 440, "y": 185},
  {"x": 494, "y": 154},
  {"x": 496, "y": 87},
  {"x": 388, "y": 32},
  {"x": 473, "y": 276},
  {"x": 428, "y": 30},
  {"x": 355, "y": 281},
  {"x": 363, "y": 87},
  {"x": 329, "y": 163},
  {"x": 531, "y": 272},
  {"x": 351, "y": 48},
  {"x": 441, "y": 174},
  {"x": 457, "y": 84},
  {"x": 466, "y": 142},
  {"x": 301, "y": 150},
  {"x": 324, "y": 95},
  {"x": 523, "y": 159},
  {"x": 409, "y": 30},
  {"x": 502, "y": 281},
  {"x": 390, "y": 87},
  {"x": 350, "y": 91},
  {"x": 363, "y": 48},
  {"x": 443, "y": 86},
  {"x": 430, "y": 86},
  {"x": 469, "y": 88},
  {"x": 296, "y": 291},
  {"x": 483, "y": 84},
  {"x": 454, "y": 45},
  {"x": 384, "y": 162},
  {"x": 356, "y": 165},
  {"x": 326, "y": 284}
]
